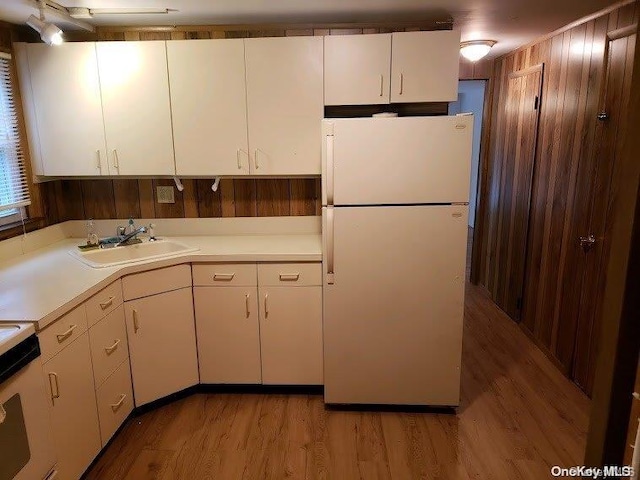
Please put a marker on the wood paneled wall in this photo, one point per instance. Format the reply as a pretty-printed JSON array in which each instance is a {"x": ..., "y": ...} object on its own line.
[{"x": 563, "y": 188}]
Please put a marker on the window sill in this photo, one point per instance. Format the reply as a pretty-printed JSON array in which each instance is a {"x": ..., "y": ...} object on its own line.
[{"x": 14, "y": 229}]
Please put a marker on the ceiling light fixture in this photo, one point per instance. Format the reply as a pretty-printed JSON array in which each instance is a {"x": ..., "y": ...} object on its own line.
[
  {"x": 474, "y": 50},
  {"x": 49, "y": 33}
]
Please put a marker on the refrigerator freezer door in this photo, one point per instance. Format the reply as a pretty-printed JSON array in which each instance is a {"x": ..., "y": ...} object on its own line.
[
  {"x": 393, "y": 315},
  {"x": 392, "y": 161}
]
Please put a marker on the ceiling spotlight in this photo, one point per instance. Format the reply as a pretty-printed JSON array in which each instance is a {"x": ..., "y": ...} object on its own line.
[
  {"x": 49, "y": 33},
  {"x": 474, "y": 50}
]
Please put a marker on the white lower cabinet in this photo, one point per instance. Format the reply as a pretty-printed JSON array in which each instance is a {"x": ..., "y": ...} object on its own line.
[
  {"x": 291, "y": 335},
  {"x": 274, "y": 341},
  {"x": 73, "y": 408},
  {"x": 228, "y": 334},
  {"x": 162, "y": 344}
]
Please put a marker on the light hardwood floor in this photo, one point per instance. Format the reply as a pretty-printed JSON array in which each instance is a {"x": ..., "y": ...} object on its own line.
[{"x": 518, "y": 417}]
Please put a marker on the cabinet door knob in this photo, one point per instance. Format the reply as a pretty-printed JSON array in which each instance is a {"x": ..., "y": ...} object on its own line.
[
  {"x": 381, "y": 85},
  {"x": 587, "y": 243},
  {"x": 54, "y": 376},
  {"x": 246, "y": 304},
  {"x": 401, "y": 84},
  {"x": 116, "y": 406},
  {"x": 266, "y": 305},
  {"x": 136, "y": 321},
  {"x": 113, "y": 347},
  {"x": 602, "y": 116}
]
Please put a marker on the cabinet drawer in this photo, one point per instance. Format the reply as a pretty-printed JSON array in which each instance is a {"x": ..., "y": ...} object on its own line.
[
  {"x": 104, "y": 302},
  {"x": 221, "y": 274},
  {"x": 62, "y": 332},
  {"x": 109, "y": 348},
  {"x": 161, "y": 280},
  {"x": 290, "y": 274},
  {"x": 115, "y": 401}
]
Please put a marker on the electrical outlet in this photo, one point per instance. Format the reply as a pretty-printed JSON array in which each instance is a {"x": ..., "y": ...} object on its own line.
[{"x": 165, "y": 194}]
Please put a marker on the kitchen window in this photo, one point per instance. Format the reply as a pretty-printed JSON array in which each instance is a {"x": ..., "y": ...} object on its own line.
[{"x": 14, "y": 190}]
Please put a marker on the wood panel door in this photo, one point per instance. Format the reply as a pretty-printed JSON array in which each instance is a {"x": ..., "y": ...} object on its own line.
[
  {"x": 68, "y": 109},
  {"x": 285, "y": 104},
  {"x": 209, "y": 106},
  {"x": 518, "y": 153},
  {"x": 135, "y": 99},
  {"x": 611, "y": 131}
]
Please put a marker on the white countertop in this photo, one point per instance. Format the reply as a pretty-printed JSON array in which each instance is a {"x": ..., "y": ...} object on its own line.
[{"x": 44, "y": 284}]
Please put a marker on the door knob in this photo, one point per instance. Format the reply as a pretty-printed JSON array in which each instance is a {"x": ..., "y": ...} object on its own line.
[
  {"x": 602, "y": 116},
  {"x": 587, "y": 243}
]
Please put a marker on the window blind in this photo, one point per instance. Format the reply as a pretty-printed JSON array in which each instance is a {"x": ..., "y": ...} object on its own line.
[{"x": 14, "y": 190}]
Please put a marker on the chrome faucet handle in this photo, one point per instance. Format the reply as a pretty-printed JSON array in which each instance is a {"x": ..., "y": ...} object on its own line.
[
  {"x": 152, "y": 237},
  {"x": 121, "y": 231}
]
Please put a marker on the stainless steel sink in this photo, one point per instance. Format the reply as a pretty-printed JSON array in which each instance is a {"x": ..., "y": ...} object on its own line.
[{"x": 109, "y": 257}]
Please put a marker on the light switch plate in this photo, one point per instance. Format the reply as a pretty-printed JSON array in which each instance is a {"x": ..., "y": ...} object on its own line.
[{"x": 165, "y": 194}]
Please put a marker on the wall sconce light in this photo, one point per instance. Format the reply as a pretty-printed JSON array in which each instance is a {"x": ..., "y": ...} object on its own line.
[{"x": 474, "y": 50}]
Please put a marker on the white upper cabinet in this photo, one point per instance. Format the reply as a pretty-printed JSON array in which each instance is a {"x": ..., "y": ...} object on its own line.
[
  {"x": 66, "y": 110},
  {"x": 285, "y": 104},
  {"x": 357, "y": 69},
  {"x": 425, "y": 66},
  {"x": 136, "y": 107},
  {"x": 209, "y": 106}
]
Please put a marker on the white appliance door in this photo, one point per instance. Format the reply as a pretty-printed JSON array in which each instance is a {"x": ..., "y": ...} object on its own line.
[
  {"x": 393, "y": 304},
  {"x": 392, "y": 161}
]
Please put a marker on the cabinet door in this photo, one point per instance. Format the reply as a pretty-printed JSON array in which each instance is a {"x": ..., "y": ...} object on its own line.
[
  {"x": 228, "y": 334},
  {"x": 425, "y": 66},
  {"x": 291, "y": 335},
  {"x": 66, "y": 96},
  {"x": 162, "y": 344},
  {"x": 357, "y": 69},
  {"x": 285, "y": 104},
  {"x": 137, "y": 117},
  {"x": 74, "y": 415},
  {"x": 209, "y": 106}
]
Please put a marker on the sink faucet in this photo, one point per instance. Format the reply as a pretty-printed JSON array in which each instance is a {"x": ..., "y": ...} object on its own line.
[{"x": 131, "y": 237}]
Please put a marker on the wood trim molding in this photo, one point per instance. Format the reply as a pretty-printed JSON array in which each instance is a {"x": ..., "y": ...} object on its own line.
[
  {"x": 620, "y": 335},
  {"x": 622, "y": 32},
  {"x": 527, "y": 71}
]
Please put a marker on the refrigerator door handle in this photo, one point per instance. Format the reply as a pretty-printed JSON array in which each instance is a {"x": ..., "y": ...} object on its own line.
[
  {"x": 329, "y": 246},
  {"x": 329, "y": 166}
]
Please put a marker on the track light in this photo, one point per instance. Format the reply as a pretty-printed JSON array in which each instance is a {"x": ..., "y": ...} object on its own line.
[
  {"x": 476, "y": 49},
  {"x": 50, "y": 34}
]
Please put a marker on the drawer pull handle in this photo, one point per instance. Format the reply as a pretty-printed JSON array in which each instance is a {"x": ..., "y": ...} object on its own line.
[
  {"x": 62, "y": 337},
  {"x": 223, "y": 277},
  {"x": 116, "y": 406},
  {"x": 289, "y": 277},
  {"x": 107, "y": 304},
  {"x": 54, "y": 376},
  {"x": 113, "y": 347},
  {"x": 136, "y": 321},
  {"x": 266, "y": 305},
  {"x": 246, "y": 301}
]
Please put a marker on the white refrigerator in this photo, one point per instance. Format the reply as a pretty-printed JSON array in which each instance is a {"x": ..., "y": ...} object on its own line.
[{"x": 395, "y": 205}]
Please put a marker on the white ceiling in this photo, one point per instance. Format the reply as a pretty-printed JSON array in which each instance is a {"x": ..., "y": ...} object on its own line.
[{"x": 511, "y": 22}]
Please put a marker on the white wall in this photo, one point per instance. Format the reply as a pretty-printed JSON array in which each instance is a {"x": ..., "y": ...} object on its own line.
[{"x": 471, "y": 99}]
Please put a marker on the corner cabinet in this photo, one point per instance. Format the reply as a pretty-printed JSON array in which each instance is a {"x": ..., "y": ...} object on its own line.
[
  {"x": 402, "y": 67},
  {"x": 285, "y": 104},
  {"x": 161, "y": 332}
]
